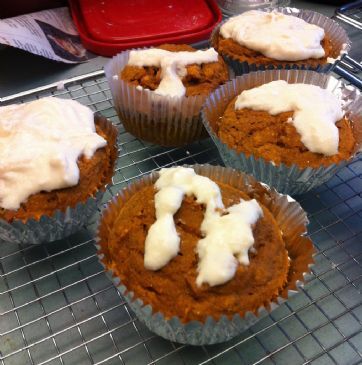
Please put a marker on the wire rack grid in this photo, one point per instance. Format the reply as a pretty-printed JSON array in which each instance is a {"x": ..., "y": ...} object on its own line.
[{"x": 57, "y": 306}]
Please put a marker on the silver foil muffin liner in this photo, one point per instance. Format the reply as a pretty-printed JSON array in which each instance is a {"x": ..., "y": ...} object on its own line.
[
  {"x": 292, "y": 221},
  {"x": 162, "y": 120},
  {"x": 62, "y": 223},
  {"x": 340, "y": 42},
  {"x": 286, "y": 179}
]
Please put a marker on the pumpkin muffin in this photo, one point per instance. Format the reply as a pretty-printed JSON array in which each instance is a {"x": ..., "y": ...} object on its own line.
[
  {"x": 253, "y": 285},
  {"x": 274, "y": 138},
  {"x": 280, "y": 39},
  {"x": 291, "y": 129},
  {"x": 199, "y": 79},
  {"x": 94, "y": 174},
  {"x": 159, "y": 92},
  {"x": 232, "y": 49},
  {"x": 56, "y": 160},
  {"x": 241, "y": 250}
]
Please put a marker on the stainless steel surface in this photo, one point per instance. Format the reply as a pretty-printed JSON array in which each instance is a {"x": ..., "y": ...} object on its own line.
[
  {"x": 351, "y": 14},
  {"x": 350, "y": 70},
  {"x": 58, "y": 307}
]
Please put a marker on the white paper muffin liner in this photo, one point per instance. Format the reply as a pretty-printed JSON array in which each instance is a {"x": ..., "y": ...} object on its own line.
[
  {"x": 163, "y": 120},
  {"x": 292, "y": 221},
  {"x": 338, "y": 36},
  {"x": 62, "y": 223},
  {"x": 286, "y": 179}
]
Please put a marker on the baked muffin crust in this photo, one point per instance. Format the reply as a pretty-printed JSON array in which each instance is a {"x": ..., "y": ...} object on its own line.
[
  {"x": 273, "y": 138},
  {"x": 94, "y": 174},
  {"x": 232, "y": 49},
  {"x": 172, "y": 290},
  {"x": 200, "y": 79}
]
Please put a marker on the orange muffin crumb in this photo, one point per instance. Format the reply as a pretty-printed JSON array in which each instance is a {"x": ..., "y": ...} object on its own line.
[
  {"x": 172, "y": 290},
  {"x": 232, "y": 49},
  {"x": 273, "y": 138},
  {"x": 94, "y": 174},
  {"x": 199, "y": 80}
]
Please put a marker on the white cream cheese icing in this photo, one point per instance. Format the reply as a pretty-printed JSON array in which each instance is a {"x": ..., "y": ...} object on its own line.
[
  {"x": 172, "y": 64},
  {"x": 40, "y": 143},
  {"x": 275, "y": 35},
  {"x": 227, "y": 233},
  {"x": 316, "y": 111}
]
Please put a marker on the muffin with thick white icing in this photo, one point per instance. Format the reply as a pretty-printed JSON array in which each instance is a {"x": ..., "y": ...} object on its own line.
[
  {"x": 283, "y": 38},
  {"x": 288, "y": 123},
  {"x": 202, "y": 247},
  {"x": 291, "y": 129},
  {"x": 54, "y": 156},
  {"x": 158, "y": 92}
]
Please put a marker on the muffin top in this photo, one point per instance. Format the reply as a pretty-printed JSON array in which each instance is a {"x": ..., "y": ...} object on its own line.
[
  {"x": 276, "y": 39},
  {"x": 275, "y": 35},
  {"x": 175, "y": 70},
  {"x": 232, "y": 226},
  {"x": 212, "y": 267},
  {"x": 41, "y": 143},
  {"x": 289, "y": 123}
]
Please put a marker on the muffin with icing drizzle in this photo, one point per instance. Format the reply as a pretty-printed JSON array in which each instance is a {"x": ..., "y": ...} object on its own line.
[
  {"x": 280, "y": 38},
  {"x": 288, "y": 123},
  {"x": 55, "y": 157},
  {"x": 198, "y": 248},
  {"x": 158, "y": 92},
  {"x": 156, "y": 69},
  {"x": 291, "y": 129}
]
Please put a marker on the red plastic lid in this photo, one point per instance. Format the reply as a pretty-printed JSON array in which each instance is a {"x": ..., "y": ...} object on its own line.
[{"x": 109, "y": 26}]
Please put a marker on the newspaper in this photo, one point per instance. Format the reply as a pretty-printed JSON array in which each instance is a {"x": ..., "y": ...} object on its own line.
[{"x": 48, "y": 33}]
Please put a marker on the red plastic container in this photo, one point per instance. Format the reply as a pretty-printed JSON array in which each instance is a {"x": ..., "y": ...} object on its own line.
[{"x": 109, "y": 26}]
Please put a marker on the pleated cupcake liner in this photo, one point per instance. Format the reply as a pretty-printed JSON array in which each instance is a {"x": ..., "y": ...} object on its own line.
[
  {"x": 61, "y": 223},
  {"x": 286, "y": 179},
  {"x": 163, "y": 120},
  {"x": 340, "y": 42},
  {"x": 292, "y": 221}
]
